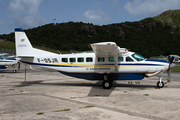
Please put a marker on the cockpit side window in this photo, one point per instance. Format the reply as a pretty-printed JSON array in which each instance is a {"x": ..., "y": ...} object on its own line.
[
  {"x": 2, "y": 57},
  {"x": 128, "y": 59},
  {"x": 138, "y": 57}
]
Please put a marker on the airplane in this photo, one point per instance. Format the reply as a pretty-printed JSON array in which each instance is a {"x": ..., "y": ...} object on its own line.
[
  {"x": 107, "y": 62},
  {"x": 8, "y": 62}
]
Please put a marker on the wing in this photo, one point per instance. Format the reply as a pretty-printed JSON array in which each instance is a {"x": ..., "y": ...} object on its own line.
[{"x": 108, "y": 49}]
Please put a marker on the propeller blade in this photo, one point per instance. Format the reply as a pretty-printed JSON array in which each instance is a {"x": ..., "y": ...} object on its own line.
[
  {"x": 19, "y": 66},
  {"x": 169, "y": 69},
  {"x": 171, "y": 60}
]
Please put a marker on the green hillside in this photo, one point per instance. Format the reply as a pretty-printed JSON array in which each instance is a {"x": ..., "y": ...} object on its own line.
[
  {"x": 7, "y": 45},
  {"x": 155, "y": 36}
]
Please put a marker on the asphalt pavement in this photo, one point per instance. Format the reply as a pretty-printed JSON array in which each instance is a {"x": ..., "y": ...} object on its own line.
[{"x": 45, "y": 95}]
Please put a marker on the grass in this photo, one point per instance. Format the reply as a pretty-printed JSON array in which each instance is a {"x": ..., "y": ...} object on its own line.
[
  {"x": 41, "y": 113},
  {"x": 62, "y": 110},
  {"x": 2, "y": 75},
  {"x": 146, "y": 94},
  {"x": 88, "y": 106},
  {"x": 11, "y": 89},
  {"x": 8, "y": 45},
  {"x": 175, "y": 69}
]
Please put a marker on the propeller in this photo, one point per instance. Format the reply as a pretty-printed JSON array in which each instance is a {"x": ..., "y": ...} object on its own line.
[
  {"x": 169, "y": 69},
  {"x": 19, "y": 66}
]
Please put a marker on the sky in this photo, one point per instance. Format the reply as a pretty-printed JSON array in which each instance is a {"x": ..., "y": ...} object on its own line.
[{"x": 33, "y": 13}]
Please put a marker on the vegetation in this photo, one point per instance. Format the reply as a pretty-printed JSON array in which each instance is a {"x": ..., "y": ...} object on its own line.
[
  {"x": 41, "y": 113},
  {"x": 7, "y": 45},
  {"x": 155, "y": 36},
  {"x": 89, "y": 106},
  {"x": 175, "y": 69},
  {"x": 62, "y": 110}
]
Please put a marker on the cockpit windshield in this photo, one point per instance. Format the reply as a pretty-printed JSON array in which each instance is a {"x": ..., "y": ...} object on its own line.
[
  {"x": 138, "y": 57},
  {"x": 2, "y": 57}
]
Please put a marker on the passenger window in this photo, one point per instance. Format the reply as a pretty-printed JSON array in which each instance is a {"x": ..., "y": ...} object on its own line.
[
  {"x": 89, "y": 59},
  {"x": 72, "y": 59},
  {"x": 120, "y": 59},
  {"x": 111, "y": 59},
  {"x": 100, "y": 59},
  {"x": 128, "y": 59},
  {"x": 80, "y": 59},
  {"x": 64, "y": 60}
]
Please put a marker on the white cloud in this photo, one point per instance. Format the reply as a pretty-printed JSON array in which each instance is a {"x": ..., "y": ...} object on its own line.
[
  {"x": 150, "y": 7},
  {"x": 25, "y": 13},
  {"x": 96, "y": 16}
]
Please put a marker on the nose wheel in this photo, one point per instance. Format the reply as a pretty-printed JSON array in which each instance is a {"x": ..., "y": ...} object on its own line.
[{"x": 160, "y": 83}]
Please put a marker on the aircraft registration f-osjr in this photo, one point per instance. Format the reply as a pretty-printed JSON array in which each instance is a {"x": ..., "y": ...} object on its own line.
[{"x": 108, "y": 62}]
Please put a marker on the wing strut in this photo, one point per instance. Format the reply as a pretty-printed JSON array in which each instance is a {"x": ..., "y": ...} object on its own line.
[{"x": 116, "y": 62}]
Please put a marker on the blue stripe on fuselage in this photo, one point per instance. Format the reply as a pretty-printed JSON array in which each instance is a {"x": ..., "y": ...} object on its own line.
[
  {"x": 111, "y": 76},
  {"x": 2, "y": 67},
  {"x": 10, "y": 59},
  {"x": 5, "y": 61}
]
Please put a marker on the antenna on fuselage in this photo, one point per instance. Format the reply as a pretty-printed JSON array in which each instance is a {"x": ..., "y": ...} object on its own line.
[{"x": 59, "y": 52}]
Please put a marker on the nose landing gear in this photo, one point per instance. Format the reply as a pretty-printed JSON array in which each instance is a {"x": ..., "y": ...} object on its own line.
[{"x": 160, "y": 83}]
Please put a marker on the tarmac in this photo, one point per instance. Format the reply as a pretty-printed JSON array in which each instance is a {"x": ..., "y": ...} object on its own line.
[{"x": 45, "y": 95}]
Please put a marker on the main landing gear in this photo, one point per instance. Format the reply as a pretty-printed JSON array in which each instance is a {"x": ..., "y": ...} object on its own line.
[{"x": 107, "y": 84}]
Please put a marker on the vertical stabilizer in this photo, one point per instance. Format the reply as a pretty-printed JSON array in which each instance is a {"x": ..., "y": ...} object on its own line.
[{"x": 23, "y": 46}]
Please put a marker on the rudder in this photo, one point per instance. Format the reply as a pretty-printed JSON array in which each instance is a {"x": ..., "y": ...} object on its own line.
[{"x": 23, "y": 45}]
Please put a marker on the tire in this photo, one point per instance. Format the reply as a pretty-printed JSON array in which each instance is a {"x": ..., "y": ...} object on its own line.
[
  {"x": 106, "y": 84},
  {"x": 160, "y": 84},
  {"x": 14, "y": 71}
]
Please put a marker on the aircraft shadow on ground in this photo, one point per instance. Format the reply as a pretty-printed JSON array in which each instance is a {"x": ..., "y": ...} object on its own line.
[{"x": 96, "y": 89}]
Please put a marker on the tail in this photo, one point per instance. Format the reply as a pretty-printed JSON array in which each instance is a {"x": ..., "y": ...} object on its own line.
[{"x": 23, "y": 46}]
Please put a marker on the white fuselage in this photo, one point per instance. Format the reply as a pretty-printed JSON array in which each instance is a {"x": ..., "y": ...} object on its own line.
[
  {"x": 7, "y": 61},
  {"x": 89, "y": 63}
]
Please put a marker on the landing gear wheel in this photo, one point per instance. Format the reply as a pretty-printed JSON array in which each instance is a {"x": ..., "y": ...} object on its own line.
[
  {"x": 106, "y": 84},
  {"x": 14, "y": 71},
  {"x": 160, "y": 84}
]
